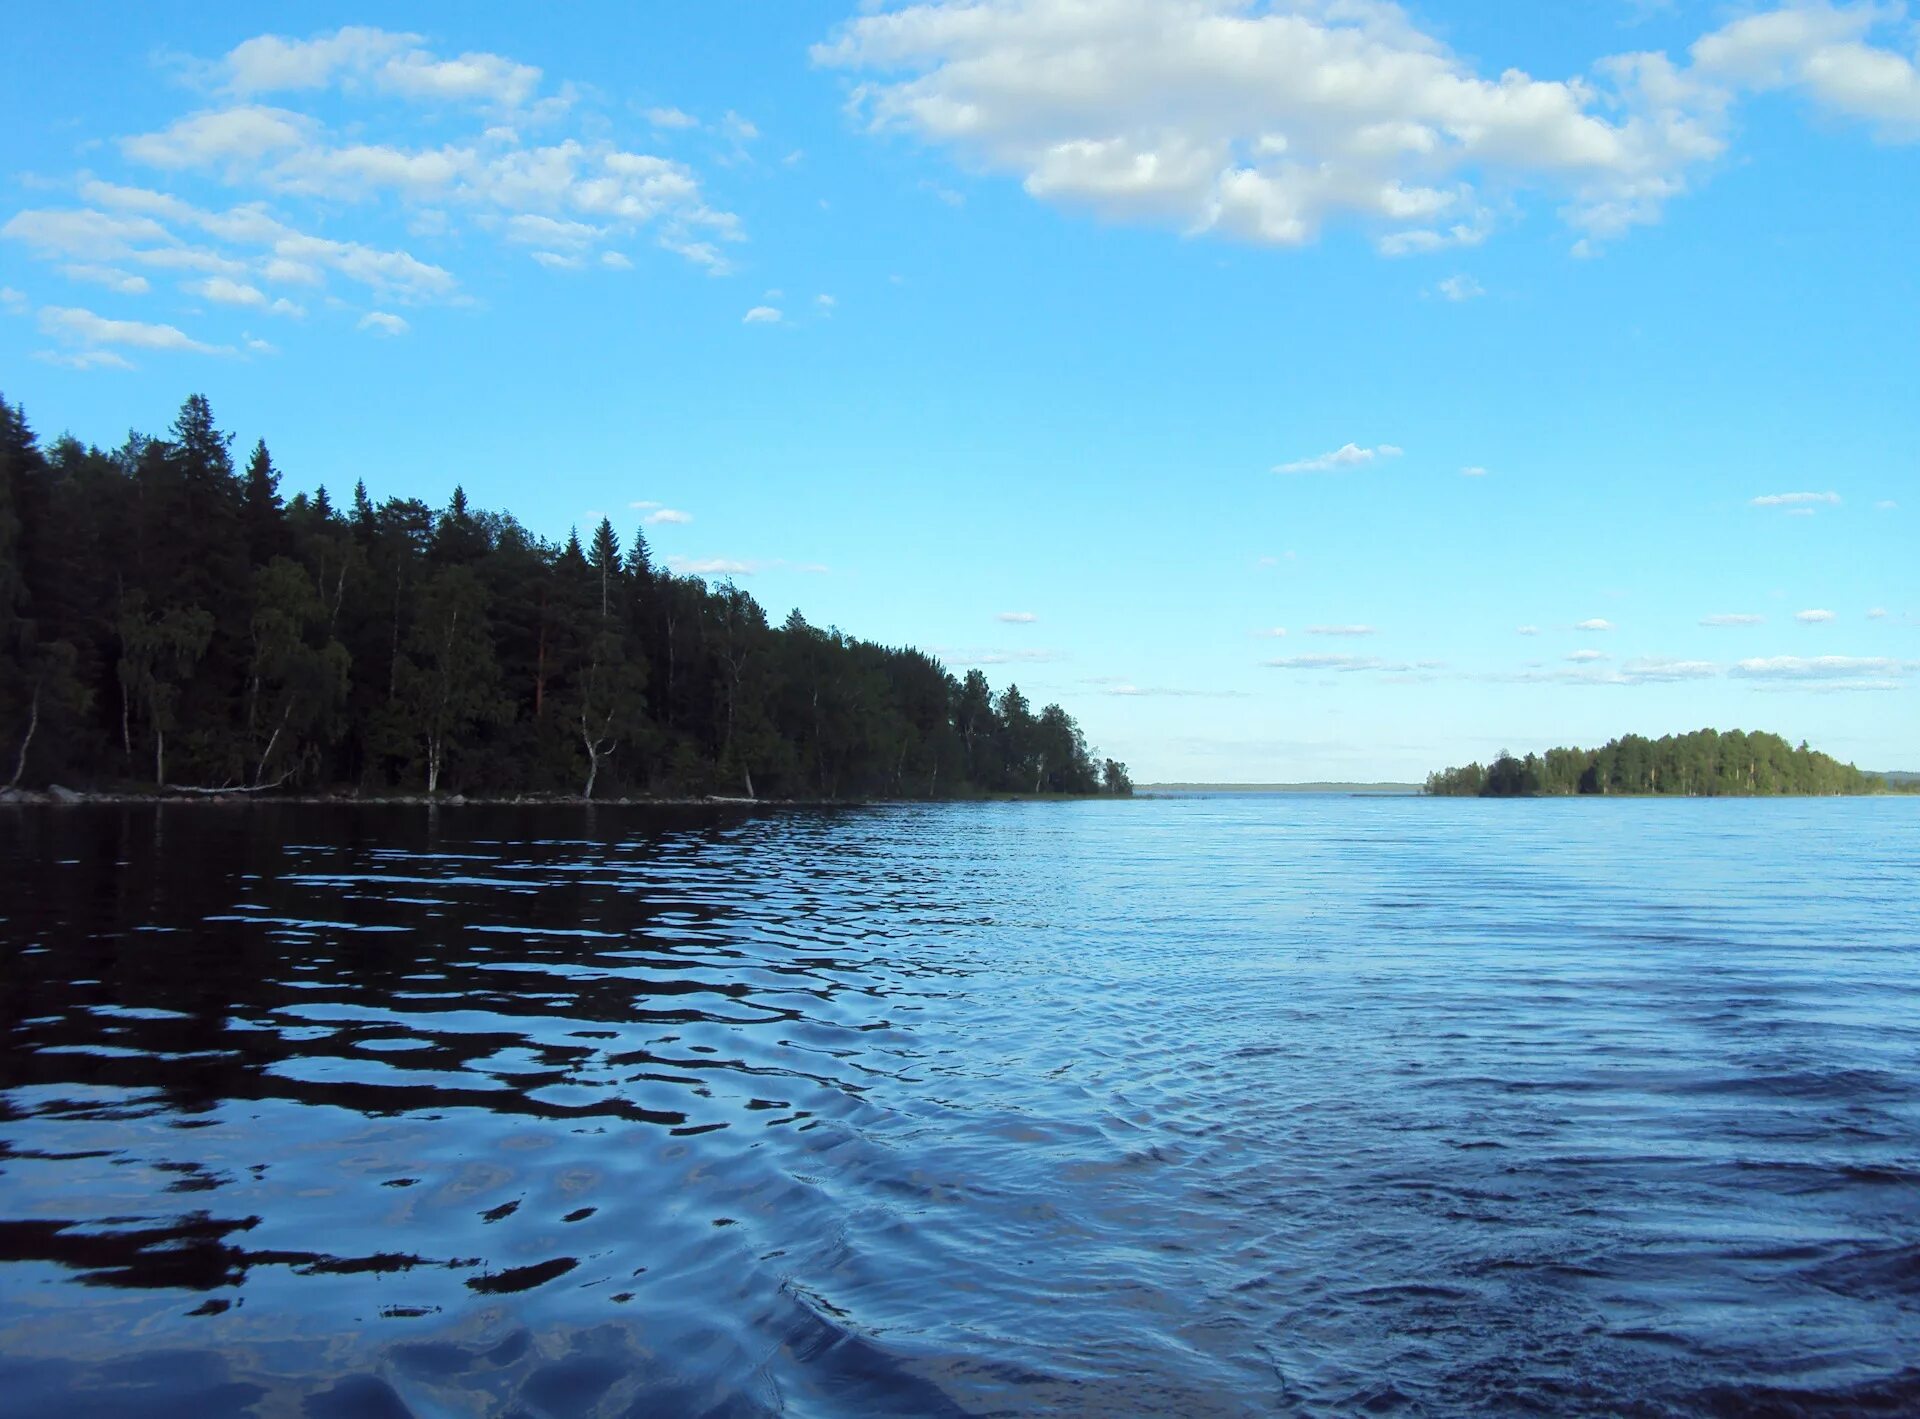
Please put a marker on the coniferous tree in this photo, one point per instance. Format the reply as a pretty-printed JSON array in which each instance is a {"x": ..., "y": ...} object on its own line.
[{"x": 163, "y": 617}]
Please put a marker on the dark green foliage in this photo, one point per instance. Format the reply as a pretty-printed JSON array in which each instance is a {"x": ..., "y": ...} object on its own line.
[
  {"x": 166, "y": 618},
  {"x": 1704, "y": 764}
]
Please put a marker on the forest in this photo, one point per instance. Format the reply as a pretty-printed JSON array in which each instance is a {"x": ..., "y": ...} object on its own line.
[
  {"x": 168, "y": 619},
  {"x": 1704, "y": 764}
]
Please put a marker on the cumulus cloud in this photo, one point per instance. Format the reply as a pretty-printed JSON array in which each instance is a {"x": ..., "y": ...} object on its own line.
[
  {"x": 761, "y": 315},
  {"x": 382, "y": 322},
  {"x": 1791, "y": 500},
  {"x": 223, "y": 290},
  {"x": 1877, "y": 613},
  {"x": 1017, "y": 618},
  {"x": 310, "y": 122},
  {"x": 1586, "y": 656},
  {"x": 1526, "y": 630},
  {"x": 1267, "y": 123},
  {"x": 1210, "y": 116},
  {"x": 77, "y": 326},
  {"x": 1346, "y": 630},
  {"x": 1461, "y": 288},
  {"x": 1594, "y": 623},
  {"x": 1732, "y": 618},
  {"x": 114, "y": 279},
  {"x": 1473, "y": 471},
  {"x": 360, "y": 56},
  {"x": 1346, "y": 456},
  {"x": 668, "y": 516},
  {"x": 1820, "y": 51},
  {"x": 1813, "y": 618},
  {"x": 671, "y": 118},
  {"x": 1272, "y": 633}
]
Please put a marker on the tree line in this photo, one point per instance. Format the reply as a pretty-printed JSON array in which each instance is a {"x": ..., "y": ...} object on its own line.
[
  {"x": 1705, "y": 763},
  {"x": 168, "y": 618}
]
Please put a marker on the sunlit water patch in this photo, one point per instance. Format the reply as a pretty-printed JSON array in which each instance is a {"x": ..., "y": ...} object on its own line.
[{"x": 1196, "y": 1106}]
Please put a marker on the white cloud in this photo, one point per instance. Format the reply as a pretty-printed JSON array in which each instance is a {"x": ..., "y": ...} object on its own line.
[
  {"x": 739, "y": 129},
  {"x": 230, "y": 138},
  {"x": 1819, "y": 49},
  {"x": 1885, "y": 505},
  {"x": 1813, "y": 618},
  {"x": 391, "y": 63},
  {"x": 261, "y": 347},
  {"x": 644, "y": 506},
  {"x": 671, "y": 118},
  {"x": 1587, "y": 656},
  {"x": 382, "y": 322},
  {"x": 1349, "y": 630},
  {"x": 1473, "y": 471},
  {"x": 224, "y": 291},
  {"x": 85, "y": 359},
  {"x": 1732, "y": 618},
  {"x": 662, "y": 516},
  {"x": 1877, "y": 613},
  {"x": 1017, "y": 618},
  {"x": 1264, "y": 125},
  {"x": 825, "y": 302},
  {"x": 561, "y": 197},
  {"x": 114, "y": 279},
  {"x": 554, "y": 261},
  {"x": 1346, "y": 456},
  {"x": 1272, "y": 633},
  {"x": 83, "y": 327},
  {"x": 1594, "y": 623},
  {"x": 1461, "y": 288},
  {"x": 14, "y": 301},
  {"x": 712, "y": 566},
  {"x": 1794, "y": 499},
  {"x": 533, "y": 229},
  {"x": 1821, "y": 667},
  {"x": 1526, "y": 630},
  {"x": 1654, "y": 669},
  {"x": 761, "y": 315},
  {"x": 616, "y": 261},
  {"x": 1343, "y": 663}
]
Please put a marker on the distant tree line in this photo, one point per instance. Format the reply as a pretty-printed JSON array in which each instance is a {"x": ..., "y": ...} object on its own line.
[
  {"x": 167, "y": 618},
  {"x": 1705, "y": 764}
]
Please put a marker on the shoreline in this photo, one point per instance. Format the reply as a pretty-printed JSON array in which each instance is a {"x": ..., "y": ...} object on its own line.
[{"x": 57, "y": 796}]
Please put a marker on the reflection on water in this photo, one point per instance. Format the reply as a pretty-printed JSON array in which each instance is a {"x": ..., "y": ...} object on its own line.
[{"x": 1201, "y": 1105}]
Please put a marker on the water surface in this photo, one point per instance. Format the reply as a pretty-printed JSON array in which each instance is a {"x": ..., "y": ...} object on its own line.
[{"x": 1189, "y": 1105}]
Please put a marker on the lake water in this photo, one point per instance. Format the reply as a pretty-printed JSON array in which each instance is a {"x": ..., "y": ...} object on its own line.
[{"x": 1210, "y": 1105}]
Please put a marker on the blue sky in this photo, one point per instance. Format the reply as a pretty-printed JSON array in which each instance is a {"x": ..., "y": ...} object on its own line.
[{"x": 1544, "y": 378}]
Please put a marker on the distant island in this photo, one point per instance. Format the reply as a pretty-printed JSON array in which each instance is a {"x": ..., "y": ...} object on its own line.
[
  {"x": 166, "y": 619},
  {"x": 1704, "y": 764}
]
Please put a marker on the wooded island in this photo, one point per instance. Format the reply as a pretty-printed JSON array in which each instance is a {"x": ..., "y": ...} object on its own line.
[
  {"x": 1703, "y": 764},
  {"x": 167, "y": 619}
]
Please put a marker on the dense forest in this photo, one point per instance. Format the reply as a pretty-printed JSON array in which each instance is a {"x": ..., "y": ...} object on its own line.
[
  {"x": 1704, "y": 764},
  {"x": 168, "y": 619}
]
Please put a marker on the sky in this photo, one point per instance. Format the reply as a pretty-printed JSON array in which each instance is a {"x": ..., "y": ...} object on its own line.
[{"x": 1316, "y": 390}]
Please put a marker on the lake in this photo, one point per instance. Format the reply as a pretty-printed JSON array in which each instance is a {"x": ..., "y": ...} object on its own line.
[{"x": 1187, "y": 1105}]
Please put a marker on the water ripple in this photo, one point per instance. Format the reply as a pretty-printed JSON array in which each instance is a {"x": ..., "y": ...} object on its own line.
[{"x": 1195, "y": 1106}]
